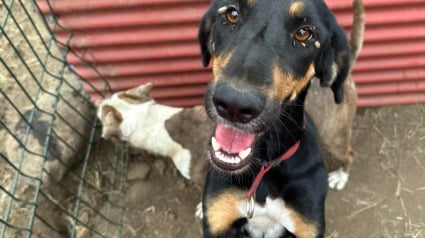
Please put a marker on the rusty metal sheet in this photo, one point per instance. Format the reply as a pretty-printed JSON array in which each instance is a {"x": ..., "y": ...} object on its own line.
[{"x": 137, "y": 41}]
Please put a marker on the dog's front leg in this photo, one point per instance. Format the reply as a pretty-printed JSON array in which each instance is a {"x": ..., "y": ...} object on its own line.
[
  {"x": 223, "y": 213},
  {"x": 304, "y": 228}
]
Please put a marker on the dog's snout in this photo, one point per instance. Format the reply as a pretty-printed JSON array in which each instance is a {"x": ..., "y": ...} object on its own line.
[{"x": 236, "y": 106}]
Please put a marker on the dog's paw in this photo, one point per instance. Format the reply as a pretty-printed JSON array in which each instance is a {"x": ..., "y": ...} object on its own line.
[
  {"x": 338, "y": 179},
  {"x": 199, "y": 214}
]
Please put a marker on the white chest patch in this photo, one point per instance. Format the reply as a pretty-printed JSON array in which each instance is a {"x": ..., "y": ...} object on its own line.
[{"x": 270, "y": 220}]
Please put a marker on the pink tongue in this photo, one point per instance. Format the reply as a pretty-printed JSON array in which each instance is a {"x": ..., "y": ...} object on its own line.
[{"x": 233, "y": 141}]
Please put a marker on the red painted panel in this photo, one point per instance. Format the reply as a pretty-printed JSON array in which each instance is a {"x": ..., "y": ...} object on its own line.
[
  {"x": 138, "y": 41},
  {"x": 391, "y": 87},
  {"x": 389, "y": 75},
  {"x": 124, "y": 37},
  {"x": 132, "y": 17},
  {"x": 391, "y": 99},
  {"x": 161, "y": 80},
  {"x": 66, "y": 7},
  {"x": 138, "y": 52}
]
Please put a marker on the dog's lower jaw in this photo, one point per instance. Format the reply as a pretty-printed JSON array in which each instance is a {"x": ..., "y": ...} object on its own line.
[{"x": 227, "y": 154}]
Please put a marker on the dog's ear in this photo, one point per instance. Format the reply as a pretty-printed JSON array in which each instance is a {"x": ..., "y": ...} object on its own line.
[
  {"x": 137, "y": 95},
  {"x": 111, "y": 120},
  {"x": 140, "y": 92},
  {"x": 333, "y": 63},
  {"x": 203, "y": 37},
  {"x": 145, "y": 89}
]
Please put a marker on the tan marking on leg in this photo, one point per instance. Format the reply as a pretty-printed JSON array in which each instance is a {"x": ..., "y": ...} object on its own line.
[
  {"x": 222, "y": 210},
  {"x": 303, "y": 228},
  {"x": 219, "y": 63},
  {"x": 296, "y": 9}
]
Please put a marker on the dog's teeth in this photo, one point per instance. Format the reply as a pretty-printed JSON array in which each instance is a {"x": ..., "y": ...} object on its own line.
[
  {"x": 227, "y": 159},
  {"x": 235, "y": 160},
  {"x": 244, "y": 153},
  {"x": 215, "y": 145},
  {"x": 219, "y": 155}
]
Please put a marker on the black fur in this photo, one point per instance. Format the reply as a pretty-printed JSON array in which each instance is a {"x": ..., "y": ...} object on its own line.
[
  {"x": 330, "y": 35},
  {"x": 261, "y": 39}
]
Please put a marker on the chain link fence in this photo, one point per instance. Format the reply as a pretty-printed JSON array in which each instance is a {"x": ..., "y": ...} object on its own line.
[{"x": 56, "y": 180}]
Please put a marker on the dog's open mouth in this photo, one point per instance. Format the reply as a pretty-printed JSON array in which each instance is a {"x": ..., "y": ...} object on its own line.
[{"x": 231, "y": 148}]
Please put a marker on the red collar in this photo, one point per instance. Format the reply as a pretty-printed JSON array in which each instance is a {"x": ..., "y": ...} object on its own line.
[{"x": 290, "y": 152}]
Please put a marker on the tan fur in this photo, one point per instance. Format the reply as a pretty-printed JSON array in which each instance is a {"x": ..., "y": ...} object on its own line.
[
  {"x": 334, "y": 122},
  {"x": 107, "y": 109},
  {"x": 219, "y": 63},
  {"x": 296, "y": 9},
  {"x": 137, "y": 95},
  {"x": 303, "y": 228},
  {"x": 286, "y": 84},
  {"x": 357, "y": 30},
  {"x": 223, "y": 210},
  {"x": 301, "y": 83},
  {"x": 111, "y": 123},
  {"x": 251, "y": 2}
]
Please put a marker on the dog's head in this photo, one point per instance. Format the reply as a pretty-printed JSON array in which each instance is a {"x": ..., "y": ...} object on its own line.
[
  {"x": 264, "y": 54},
  {"x": 114, "y": 111}
]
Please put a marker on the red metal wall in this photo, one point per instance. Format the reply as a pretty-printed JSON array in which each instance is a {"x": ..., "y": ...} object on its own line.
[{"x": 135, "y": 41}]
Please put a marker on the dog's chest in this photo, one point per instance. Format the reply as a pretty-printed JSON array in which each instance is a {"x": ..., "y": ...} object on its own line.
[{"x": 270, "y": 220}]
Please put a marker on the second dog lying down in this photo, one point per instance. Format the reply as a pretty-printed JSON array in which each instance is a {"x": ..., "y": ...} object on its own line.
[{"x": 132, "y": 116}]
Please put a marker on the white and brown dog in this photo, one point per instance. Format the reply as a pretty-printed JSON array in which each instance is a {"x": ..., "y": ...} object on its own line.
[{"x": 132, "y": 116}]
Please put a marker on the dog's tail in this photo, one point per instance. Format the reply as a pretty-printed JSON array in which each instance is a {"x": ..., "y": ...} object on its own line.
[{"x": 357, "y": 30}]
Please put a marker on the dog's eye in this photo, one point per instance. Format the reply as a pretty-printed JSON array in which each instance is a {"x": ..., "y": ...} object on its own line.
[
  {"x": 232, "y": 15},
  {"x": 304, "y": 34}
]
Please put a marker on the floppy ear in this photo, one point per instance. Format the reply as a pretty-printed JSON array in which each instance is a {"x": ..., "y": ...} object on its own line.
[
  {"x": 333, "y": 63},
  {"x": 203, "y": 38},
  {"x": 111, "y": 120}
]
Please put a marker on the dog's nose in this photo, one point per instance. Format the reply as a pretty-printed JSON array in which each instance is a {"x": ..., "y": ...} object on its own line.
[{"x": 236, "y": 106}]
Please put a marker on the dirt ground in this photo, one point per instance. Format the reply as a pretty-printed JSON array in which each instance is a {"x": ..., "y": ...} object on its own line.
[{"x": 385, "y": 196}]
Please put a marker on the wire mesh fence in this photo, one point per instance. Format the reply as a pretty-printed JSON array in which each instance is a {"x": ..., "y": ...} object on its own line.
[{"x": 55, "y": 180}]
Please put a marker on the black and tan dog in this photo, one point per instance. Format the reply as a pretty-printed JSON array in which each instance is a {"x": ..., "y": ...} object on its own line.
[{"x": 268, "y": 178}]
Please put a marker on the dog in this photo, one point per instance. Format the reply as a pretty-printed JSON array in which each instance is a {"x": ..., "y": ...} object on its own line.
[
  {"x": 333, "y": 121},
  {"x": 133, "y": 117},
  {"x": 267, "y": 177},
  {"x": 189, "y": 128}
]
